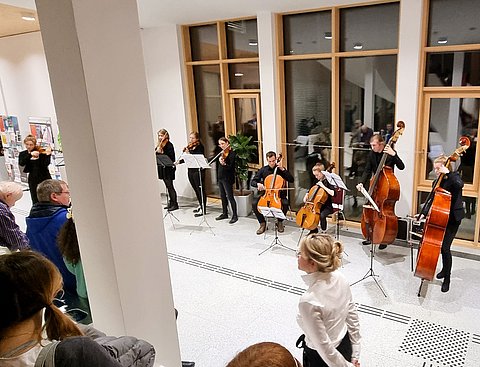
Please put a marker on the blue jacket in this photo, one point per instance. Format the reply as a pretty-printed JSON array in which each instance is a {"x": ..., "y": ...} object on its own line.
[{"x": 43, "y": 225}]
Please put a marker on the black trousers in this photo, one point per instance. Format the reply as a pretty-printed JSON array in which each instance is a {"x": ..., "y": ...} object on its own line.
[
  {"x": 324, "y": 213},
  {"x": 450, "y": 232},
  {"x": 260, "y": 217},
  {"x": 311, "y": 358},
  {"x": 194, "y": 179},
  {"x": 172, "y": 194},
  {"x": 226, "y": 193}
]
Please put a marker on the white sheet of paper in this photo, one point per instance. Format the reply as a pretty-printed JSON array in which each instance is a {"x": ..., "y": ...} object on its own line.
[{"x": 271, "y": 212}]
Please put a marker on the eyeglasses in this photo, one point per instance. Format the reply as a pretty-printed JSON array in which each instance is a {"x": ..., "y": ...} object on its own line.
[{"x": 65, "y": 192}]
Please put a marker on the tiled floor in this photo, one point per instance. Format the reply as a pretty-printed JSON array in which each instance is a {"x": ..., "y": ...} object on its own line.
[{"x": 228, "y": 296}]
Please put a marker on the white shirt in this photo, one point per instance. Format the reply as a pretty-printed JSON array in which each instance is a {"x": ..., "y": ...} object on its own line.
[
  {"x": 26, "y": 359},
  {"x": 326, "y": 312}
]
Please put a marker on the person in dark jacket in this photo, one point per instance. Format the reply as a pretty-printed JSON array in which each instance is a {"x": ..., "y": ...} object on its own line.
[
  {"x": 258, "y": 182},
  {"x": 35, "y": 162},
  {"x": 29, "y": 284},
  {"x": 165, "y": 146},
  {"x": 452, "y": 182},
  {"x": 226, "y": 179},
  {"x": 44, "y": 222}
]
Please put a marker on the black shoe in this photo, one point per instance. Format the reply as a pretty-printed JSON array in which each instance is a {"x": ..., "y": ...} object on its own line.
[
  {"x": 382, "y": 247},
  {"x": 366, "y": 242},
  {"x": 188, "y": 364},
  {"x": 468, "y": 215},
  {"x": 446, "y": 285},
  {"x": 441, "y": 275},
  {"x": 222, "y": 216},
  {"x": 233, "y": 220},
  {"x": 199, "y": 214},
  {"x": 313, "y": 231},
  {"x": 172, "y": 208},
  {"x": 197, "y": 210}
]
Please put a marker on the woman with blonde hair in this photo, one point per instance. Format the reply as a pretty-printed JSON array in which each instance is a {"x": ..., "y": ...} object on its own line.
[
  {"x": 167, "y": 174},
  {"x": 266, "y": 354},
  {"x": 327, "y": 313}
]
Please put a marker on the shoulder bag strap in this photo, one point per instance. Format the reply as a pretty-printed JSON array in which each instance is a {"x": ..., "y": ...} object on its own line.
[{"x": 46, "y": 358}]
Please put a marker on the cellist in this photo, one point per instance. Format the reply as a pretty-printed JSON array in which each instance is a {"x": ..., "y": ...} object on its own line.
[
  {"x": 327, "y": 207},
  {"x": 453, "y": 183},
  {"x": 258, "y": 182},
  {"x": 378, "y": 146}
]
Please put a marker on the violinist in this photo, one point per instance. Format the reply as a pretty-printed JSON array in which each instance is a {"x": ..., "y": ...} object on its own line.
[
  {"x": 196, "y": 178},
  {"x": 226, "y": 179},
  {"x": 165, "y": 146},
  {"x": 258, "y": 182},
  {"x": 327, "y": 207},
  {"x": 35, "y": 161},
  {"x": 378, "y": 145},
  {"x": 453, "y": 183}
]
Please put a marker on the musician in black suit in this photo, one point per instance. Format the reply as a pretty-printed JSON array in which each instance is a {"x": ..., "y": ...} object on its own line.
[
  {"x": 453, "y": 183},
  {"x": 165, "y": 146}
]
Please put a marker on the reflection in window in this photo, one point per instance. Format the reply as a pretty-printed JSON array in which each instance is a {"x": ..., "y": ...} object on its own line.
[
  {"x": 462, "y": 28},
  {"x": 308, "y": 116},
  {"x": 451, "y": 118},
  {"x": 372, "y": 27},
  {"x": 453, "y": 69},
  {"x": 367, "y": 106},
  {"x": 308, "y": 33},
  {"x": 246, "y": 121},
  {"x": 204, "y": 42},
  {"x": 209, "y": 110},
  {"x": 242, "y": 38},
  {"x": 244, "y": 76}
]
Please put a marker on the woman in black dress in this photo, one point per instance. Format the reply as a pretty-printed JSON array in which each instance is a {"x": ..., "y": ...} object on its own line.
[
  {"x": 226, "y": 179},
  {"x": 35, "y": 161},
  {"x": 165, "y": 146}
]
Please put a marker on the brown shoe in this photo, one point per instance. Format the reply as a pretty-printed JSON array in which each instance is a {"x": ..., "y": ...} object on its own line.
[
  {"x": 280, "y": 227},
  {"x": 262, "y": 228}
]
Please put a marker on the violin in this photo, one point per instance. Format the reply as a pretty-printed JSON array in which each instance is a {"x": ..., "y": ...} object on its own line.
[
  {"x": 42, "y": 150},
  {"x": 273, "y": 184},
  {"x": 382, "y": 227},
  {"x": 308, "y": 216},
  {"x": 191, "y": 146},
  {"x": 162, "y": 145},
  {"x": 439, "y": 201},
  {"x": 226, "y": 152}
]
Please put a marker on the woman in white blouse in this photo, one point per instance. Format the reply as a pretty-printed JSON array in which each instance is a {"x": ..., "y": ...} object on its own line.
[{"x": 327, "y": 313}]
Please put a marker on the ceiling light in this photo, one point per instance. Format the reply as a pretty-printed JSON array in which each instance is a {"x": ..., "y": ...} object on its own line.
[
  {"x": 238, "y": 74},
  {"x": 357, "y": 46},
  {"x": 253, "y": 43},
  {"x": 442, "y": 40},
  {"x": 29, "y": 18},
  {"x": 327, "y": 35}
]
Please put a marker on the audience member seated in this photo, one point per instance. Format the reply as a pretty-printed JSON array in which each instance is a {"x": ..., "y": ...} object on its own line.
[
  {"x": 11, "y": 237},
  {"x": 28, "y": 285},
  {"x": 44, "y": 222},
  {"x": 266, "y": 354}
]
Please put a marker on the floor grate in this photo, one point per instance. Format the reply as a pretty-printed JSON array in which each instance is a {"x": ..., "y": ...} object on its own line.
[{"x": 439, "y": 345}]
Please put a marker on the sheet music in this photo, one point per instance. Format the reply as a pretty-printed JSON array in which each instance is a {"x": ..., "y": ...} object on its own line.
[
  {"x": 369, "y": 198},
  {"x": 271, "y": 212},
  {"x": 335, "y": 180},
  {"x": 195, "y": 161}
]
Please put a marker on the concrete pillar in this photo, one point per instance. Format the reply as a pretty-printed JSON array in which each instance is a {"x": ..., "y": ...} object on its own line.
[{"x": 95, "y": 61}]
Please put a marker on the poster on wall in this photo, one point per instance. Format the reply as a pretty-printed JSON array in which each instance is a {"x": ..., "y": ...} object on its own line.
[
  {"x": 12, "y": 145},
  {"x": 41, "y": 128}
]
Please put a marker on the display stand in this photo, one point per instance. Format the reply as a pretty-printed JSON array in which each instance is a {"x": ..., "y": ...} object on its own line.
[
  {"x": 164, "y": 163},
  {"x": 198, "y": 161},
  {"x": 277, "y": 214}
]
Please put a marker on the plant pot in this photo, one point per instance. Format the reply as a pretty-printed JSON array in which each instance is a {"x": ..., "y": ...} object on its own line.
[{"x": 244, "y": 204}]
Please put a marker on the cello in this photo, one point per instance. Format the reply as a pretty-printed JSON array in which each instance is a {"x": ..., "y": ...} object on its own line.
[
  {"x": 308, "y": 216},
  {"x": 437, "y": 220},
  {"x": 273, "y": 184},
  {"x": 381, "y": 227}
]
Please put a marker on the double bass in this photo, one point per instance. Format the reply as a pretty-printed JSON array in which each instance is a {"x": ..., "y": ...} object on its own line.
[
  {"x": 308, "y": 216},
  {"x": 439, "y": 201},
  {"x": 273, "y": 184},
  {"x": 381, "y": 227}
]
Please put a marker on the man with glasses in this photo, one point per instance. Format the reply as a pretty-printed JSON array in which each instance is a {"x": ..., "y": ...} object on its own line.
[{"x": 46, "y": 219}]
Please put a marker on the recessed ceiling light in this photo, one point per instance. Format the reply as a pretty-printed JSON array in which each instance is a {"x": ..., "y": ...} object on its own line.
[
  {"x": 327, "y": 35},
  {"x": 29, "y": 18},
  {"x": 238, "y": 74},
  {"x": 442, "y": 40},
  {"x": 357, "y": 46},
  {"x": 253, "y": 43}
]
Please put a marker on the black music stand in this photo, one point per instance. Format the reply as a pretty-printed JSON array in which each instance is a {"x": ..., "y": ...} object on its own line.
[
  {"x": 198, "y": 161},
  {"x": 277, "y": 214},
  {"x": 164, "y": 165}
]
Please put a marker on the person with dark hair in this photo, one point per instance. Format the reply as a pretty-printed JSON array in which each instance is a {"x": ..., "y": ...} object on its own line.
[
  {"x": 29, "y": 284},
  {"x": 266, "y": 354},
  {"x": 326, "y": 311},
  {"x": 35, "y": 161},
  {"x": 258, "y": 182},
  {"x": 226, "y": 179},
  {"x": 165, "y": 146}
]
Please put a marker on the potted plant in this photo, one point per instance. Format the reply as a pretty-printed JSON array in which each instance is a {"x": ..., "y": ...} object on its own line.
[{"x": 245, "y": 151}]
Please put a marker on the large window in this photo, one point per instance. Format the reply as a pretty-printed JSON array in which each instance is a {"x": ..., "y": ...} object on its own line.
[{"x": 221, "y": 62}]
